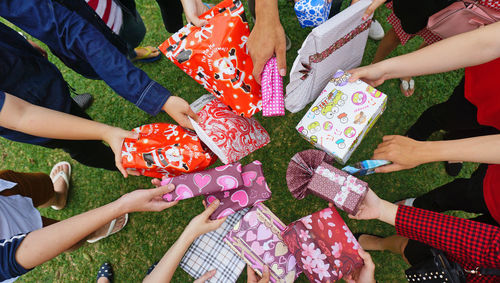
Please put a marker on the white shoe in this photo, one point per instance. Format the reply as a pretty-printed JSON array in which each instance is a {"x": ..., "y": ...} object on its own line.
[{"x": 376, "y": 31}]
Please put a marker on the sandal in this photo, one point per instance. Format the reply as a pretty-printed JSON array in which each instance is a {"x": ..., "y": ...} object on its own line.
[
  {"x": 110, "y": 229},
  {"x": 146, "y": 58},
  {"x": 407, "y": 87},
  {"x": 105, "y": 271},
  {"x": 61, "y": 174},
  {"x": 407, "y": 202}
]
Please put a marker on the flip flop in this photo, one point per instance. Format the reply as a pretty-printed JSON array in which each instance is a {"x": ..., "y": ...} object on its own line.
[
  {"x": 407, "y": 86},
  {"x": 61, "y": 174},
  {"x": 105, "y": 271},
  {"x": 407, "y": 202},
  {"x": 110, "y": 230},
  {"x": 145, "y": 58}
]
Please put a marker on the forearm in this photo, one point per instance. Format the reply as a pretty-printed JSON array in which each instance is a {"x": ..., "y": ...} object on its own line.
[
  {"x": 266, "y": 10},
  {"x": 44, "y": 244},
  {"x": 467, "y": 49},
  {"x": 388, "y": 212},
  {"x": 22, "y": 116},
  {"x": 165, "y": 269},
  {"x": 484, "y": 149}
]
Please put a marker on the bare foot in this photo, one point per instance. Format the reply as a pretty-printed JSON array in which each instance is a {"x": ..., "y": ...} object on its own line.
[
  {"x": 60, "y": 186},
  {"x": 146, "y": 52},
  {"x": 101, "y": 232}
]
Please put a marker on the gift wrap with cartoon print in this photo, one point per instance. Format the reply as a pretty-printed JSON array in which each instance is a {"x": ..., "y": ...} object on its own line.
[
  {"x": 312, "y": 13},
  {"x": 216, "y": 56},
  {"x": 257, "y": 239},
  {"x": 340, "y": 117}
]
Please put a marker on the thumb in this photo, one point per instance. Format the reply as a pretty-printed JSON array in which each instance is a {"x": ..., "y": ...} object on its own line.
[
  {"x": 369, "y": 11},
  {"x": 211, "y": 208},
  {"x": 160, "y": 191},
  {"x": 206, "y": 276},
  {"x": 354, "y": 75},
  {"x": 193, "y": 115},
  {"x": 265, "y": 275},
  {"x": 197, "y": 21},
  {"x": 118, "y": 164},
  {"x": 130, "y": 135}
]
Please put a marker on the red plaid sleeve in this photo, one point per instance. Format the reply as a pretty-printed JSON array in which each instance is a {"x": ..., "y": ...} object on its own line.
[{"x": 469, "y": 243}]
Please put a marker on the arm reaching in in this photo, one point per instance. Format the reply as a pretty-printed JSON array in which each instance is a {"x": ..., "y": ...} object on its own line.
[
  {"x": 44, "y": 244},
  {"x": 406, "y": 153},
  {"x": 192, "y": 10},
  {"x": 179, "y": 110},
  {"x": 19, "y": 115},
  {"x": 267, "y": 38},
  {"x": 481, "y": 45},
  {"x": 199, "y": 225}
]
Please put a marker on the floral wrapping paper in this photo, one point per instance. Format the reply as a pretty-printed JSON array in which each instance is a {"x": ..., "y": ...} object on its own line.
[
  {"x": 345, "y": 191},
  {"x": 229, "y": 136},
  {"x": 257, "y": 239},
  {"x": 273, "y": 102},
  {"x": 323, "y": 245},
  {"x": 312, "y": 13},
  {"x": 165, "y": 150},
  {"x": 216, "y": 56},
  {"x": 218, "y": 179},
  {"x": 253, "y": 191}
]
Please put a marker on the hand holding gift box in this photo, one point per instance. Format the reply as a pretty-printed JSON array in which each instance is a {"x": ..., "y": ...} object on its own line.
[
  {"x": 273, "y": 103},
  {"x": 215, "y": 56},
  {"x": 165, "y": 150},
  {"x": 323, "y": 245},
  {"x": 343, "y": 113},
  {"x": 229, "y": 136},
  {"x": 257, "y": 239}
]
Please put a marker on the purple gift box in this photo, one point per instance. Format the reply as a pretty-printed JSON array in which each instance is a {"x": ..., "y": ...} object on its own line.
[
  {"x": 336, "y": 186},
  {"x": 253, "y": 191},
  {"x": 218, "y": 179}
]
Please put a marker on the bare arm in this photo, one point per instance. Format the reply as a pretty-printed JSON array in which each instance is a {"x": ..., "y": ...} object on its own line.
[
  {"x": 44, "y": 244},
  {"x": 19, "y": 115},
  {"x": 463, "y": 50},
  {"x": 199, "y": 225},
  {"x": 406, "y": 153}
]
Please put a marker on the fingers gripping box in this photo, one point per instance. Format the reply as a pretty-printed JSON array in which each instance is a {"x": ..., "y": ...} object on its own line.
[{"x": 341, "y": 116}]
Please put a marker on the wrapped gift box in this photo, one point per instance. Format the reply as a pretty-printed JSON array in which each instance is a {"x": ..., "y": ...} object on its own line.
[
  {"x": 253, "y": 191},
  {"x": 345, "y": 191},
  {"x": 343, "y": 113},
  {"x": 323, "y": 245},
  {"x": 165, "y": 150},
  {"x": 257, "y": 239},
  {"x": 218, "y": 179},
  {"x": 229, "y": 136},
  {"x": 216, "y": 56},
  {"x": 312, "y": 13}
]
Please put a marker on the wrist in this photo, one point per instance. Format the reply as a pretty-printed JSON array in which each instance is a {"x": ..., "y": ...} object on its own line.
[
  {"x": 387, "y": 212},
  {"x": 266, "y": 11},
  {"x": 188, "y": 236}
]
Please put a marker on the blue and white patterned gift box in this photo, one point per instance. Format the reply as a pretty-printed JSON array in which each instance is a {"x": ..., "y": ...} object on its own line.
[{"x": 312, "y": 13}]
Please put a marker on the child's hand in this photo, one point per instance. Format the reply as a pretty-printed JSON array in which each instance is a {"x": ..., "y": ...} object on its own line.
[
  {"x": 114, "y": 137},
  {"x": 371, "y": 74},
  {"x": 179, "y": 110},
  {"x": 147, "y": 200},
  {"x": 253, "y": 278},
  {"x": 403, "y": 152},
  {"x": 192, "y": 10},
  {"x": 366, "y": 274},
  {"x": 206, "y": 276},
  {"x": 202, "y": 224}
]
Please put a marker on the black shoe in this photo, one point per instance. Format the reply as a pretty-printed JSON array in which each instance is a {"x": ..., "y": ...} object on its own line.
[
  {"x": 105, "y": 271},
  {"x": 453, "y": 168},
  {"x": 83, "y": 100}
]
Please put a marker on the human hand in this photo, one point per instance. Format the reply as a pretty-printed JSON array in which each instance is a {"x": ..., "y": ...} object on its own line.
[
  {"x": 371, "y": 9},
  {"x": 114, "y": 137},
  {"x": 205, "y": 276},
  {"x": 38, "y": 48},
  {"x": 180, "y": 110},
  {"x": 253, "y": 278},
  {"x": 403, "y": 152},
  {"x": 202, "y": 224},
  {"x": 366, "y": 274},
  {"x": 147, "y": 200},
  {"x": 266, "y": 39},
  {"x": 192, "y": 10},
  {"x": 371, "y": 74},
  {"x": 370, "y": 208}
]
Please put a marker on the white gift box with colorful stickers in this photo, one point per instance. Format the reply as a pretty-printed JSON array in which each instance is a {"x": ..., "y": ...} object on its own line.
[{"x": 340, "y": 117}]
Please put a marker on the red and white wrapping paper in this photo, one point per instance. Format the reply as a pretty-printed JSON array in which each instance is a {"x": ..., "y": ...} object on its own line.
[{"x": 273, "y": 102}]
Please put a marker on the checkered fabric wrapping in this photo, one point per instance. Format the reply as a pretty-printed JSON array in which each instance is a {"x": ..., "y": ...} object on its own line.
[
  {"x": 469, "y": 243},
  {"x": 209, "y": 252}
]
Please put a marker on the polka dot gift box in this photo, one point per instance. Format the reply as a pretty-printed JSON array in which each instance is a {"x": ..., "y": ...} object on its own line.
[
  {"x": 312, "y": 13},
  {"x": 216, "y": 56},
  {"x": 341, "y": 116}
]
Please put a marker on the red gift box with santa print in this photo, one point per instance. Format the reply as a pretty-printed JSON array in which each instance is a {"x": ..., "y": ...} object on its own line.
[
  {"x": 323, "y": 245},
  {"x": 216, "y": 56}
]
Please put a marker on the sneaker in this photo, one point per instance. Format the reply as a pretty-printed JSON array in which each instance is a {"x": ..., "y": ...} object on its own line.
[
  {"x": 376, "y": 31},
  {"x": 83, "y": 100}
]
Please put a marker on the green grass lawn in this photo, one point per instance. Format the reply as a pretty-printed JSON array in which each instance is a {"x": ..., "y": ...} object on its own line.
[{"x": 148, "y": 235}]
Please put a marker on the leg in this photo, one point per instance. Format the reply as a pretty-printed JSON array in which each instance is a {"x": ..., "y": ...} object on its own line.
[
  {"x": 460, "y": 194},
  {"x": 133, "y": 29},
  {"x": 386, "y": 46},
  {"x": 90, "y": 153},
  {"x": 455, "y": 114},
  {"x": 171, "y": 12},
  {"x": 395, "y": 243},
  {"x": 37, "y": 186}
]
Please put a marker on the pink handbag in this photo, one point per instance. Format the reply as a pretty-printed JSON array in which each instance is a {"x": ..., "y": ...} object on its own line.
[{"x": 461, "y": 16}]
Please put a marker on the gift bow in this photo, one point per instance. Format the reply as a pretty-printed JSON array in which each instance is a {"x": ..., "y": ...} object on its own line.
[{"x": 273, "y": 102}]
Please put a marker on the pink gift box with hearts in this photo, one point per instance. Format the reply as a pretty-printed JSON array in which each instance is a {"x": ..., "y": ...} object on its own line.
[
  {"x": 218, "y": 179},
  {"x": 253, "y": 191},
  {"x": 257, "y": 239}
]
